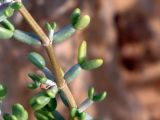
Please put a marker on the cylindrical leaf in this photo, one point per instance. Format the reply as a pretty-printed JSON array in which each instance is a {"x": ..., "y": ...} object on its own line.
[
  {"x": 99, "y": 97},
  {"x": 82, "y": 22},
  {"x": 72, "y": 73},
  {"x": 63, "y": 34},
  {"x": 92, "y": 64},
  {"x": 7, "y": 116},
  {"x": 44, "y": 115},
  {"x": 7, "y": 24},
  {"x": 85, "y": 105},
  {"x": 32, "y": 86},
  {"x": 39, "y": 100},
  {"x": 64, "y": 99},
  {"x": 58, "y": 116},
  {"x": 25, "y": 38},
  {"x": 19, "y": 111},
  {"x": 5, "y": 33},
  {"x": 75, "y": 16},
  {"x": 37, "y": 60},
  {"x": 82, "y": 51},
  {"x": 37, "y": 78},
  {"x": 91, "y": 93}
]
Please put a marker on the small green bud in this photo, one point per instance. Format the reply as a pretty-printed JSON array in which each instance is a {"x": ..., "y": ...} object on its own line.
[
  {"x": 82, "y": 22},
  {"x": 50, "y": 26},
  {"x": 5, "y": 33},
  {"x": 7, "y": 116},
  {"x": 92, "y": 64},
  {"x": 37, "y": 60},
  {"x": 91, "y": 93},
  {"x": 19, "y": 111},
  {"x": 82, "y": 51},
  {"x": 16, "y": 5},
  {"x": 8, "y": 12},
  {"x": 3, "y": 92},
  {"x": 99, "y": 97}
]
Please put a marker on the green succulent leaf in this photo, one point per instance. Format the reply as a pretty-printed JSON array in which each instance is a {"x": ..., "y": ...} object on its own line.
[
  {"x": 92, "y": 64},
  {"x": 37, "y": 60},
  {"x": 39, "y": 101},
  {"x": 57, "y": 115},
  {"x": 63, "y": 34},
  {"x": 19, "y": 111},
  {"x": 82, "y": 52},
  {"x": 91, "y": 93},
  {"x": 3, "y": 92},
  {"x": 37, "y": 78},
  {"x": 72, "y": 73},
  {"x": 5, "y": 34},
  {"x": 82, "y": 22},
  {"x": 32, "y": 86},
  {"x": 25, "y": 38},
  {"x": 7, "y": 116},
  {"x": 44, "y": 115},
  {"x": 64, "y": 99},
  {"x": 7, "y": 24},
  {"x": 99, "y": 97},
  {"x": 75, "y": 16}
]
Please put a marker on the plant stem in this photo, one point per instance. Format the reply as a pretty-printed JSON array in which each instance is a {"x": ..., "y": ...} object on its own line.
[{"x": 51, "y": 53}]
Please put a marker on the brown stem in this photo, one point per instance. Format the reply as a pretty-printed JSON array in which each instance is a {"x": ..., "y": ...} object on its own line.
[{"x": 50, "y": 51}]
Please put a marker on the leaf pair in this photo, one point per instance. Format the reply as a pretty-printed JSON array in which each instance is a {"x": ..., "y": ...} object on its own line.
[
  {"x": 46, "y": 112},
  {"x": 43, "y": 98},
  {"x": 37, "y": 80},
  {"x": 7, "y": 9},
  {"x": 96, "y": 97},
  {"x": 7, "y": 31},
  {"x": 82, "y": 55},
  {"x": 74, "y": 113},
  {"x": 18, "y": 113},
  {"x": 79, "y": 21}
]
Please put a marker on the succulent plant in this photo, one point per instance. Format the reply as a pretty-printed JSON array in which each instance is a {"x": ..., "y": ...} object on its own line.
[{"x": 55, "y": 81}]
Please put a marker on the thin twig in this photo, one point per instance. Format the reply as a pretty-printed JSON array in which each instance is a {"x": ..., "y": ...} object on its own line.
[{"x": 50, "y": 51}]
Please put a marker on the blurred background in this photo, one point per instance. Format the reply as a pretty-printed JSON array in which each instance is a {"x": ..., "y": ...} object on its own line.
[{"x": 125, "y": 33}]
